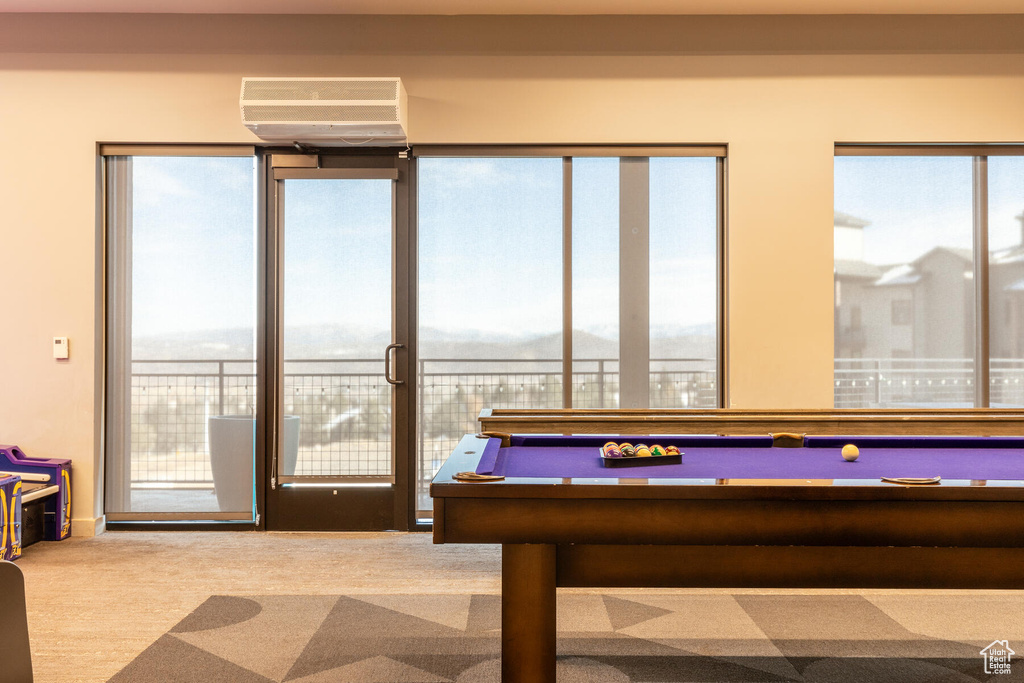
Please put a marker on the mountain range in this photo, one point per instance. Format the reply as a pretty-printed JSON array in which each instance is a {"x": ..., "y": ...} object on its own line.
[{"x": 342, "y": 342}]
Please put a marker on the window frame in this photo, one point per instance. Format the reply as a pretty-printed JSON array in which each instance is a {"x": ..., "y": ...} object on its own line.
[
  {"x": 979, "y": 154},
  {"x": 718, "y": 151},
  {"x": 114, "y": 371}
]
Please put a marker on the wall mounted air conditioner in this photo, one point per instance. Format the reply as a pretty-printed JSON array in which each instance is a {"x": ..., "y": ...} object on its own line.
[{"x": 325, "y": 111}]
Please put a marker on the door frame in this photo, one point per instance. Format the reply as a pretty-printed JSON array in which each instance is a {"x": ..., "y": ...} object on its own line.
[{"x": 341, "y": 507}]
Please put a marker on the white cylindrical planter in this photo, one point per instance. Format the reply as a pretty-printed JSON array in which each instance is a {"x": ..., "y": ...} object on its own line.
[
  {"x": 231, "y": 457},
  {"x": 289, "y": 445}
]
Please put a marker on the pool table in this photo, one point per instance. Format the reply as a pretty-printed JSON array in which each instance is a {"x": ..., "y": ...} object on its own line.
[{"x": 738, "y": 511}]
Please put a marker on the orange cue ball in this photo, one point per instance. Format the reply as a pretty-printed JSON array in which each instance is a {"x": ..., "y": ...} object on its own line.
[{"x": 850, "y": 452}]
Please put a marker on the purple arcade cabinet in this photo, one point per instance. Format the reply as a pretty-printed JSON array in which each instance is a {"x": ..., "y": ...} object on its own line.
[{"x": 45, "y": 493}]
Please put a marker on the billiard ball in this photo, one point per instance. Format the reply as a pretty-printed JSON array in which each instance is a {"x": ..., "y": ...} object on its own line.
[
  {"x": 642, "y": 450},
  {"x": 610, "y": 444},
  {"x": 612, "y": 453},
  {"x": 850, "y": 452},
  {"x": 627, "y": 450},
  {"x": 671, "y": 450}
]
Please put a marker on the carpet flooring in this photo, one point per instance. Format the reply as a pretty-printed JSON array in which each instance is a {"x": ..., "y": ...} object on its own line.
[{"x": 602, "y": 638}]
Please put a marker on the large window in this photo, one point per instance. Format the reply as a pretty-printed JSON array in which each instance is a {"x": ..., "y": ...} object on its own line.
[
  {"x": 564, "y": 281},
  {"x": 929, "y": 272},
  {"x": 181, "y": 306}
]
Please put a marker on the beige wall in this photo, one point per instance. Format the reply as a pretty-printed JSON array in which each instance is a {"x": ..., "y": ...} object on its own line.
[{"x": 779, "y": 107}]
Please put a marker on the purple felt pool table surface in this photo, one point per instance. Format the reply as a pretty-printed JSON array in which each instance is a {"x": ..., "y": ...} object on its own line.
[{"x": 752, "y": 457}]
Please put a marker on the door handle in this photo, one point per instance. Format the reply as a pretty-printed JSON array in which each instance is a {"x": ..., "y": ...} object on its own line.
[{"x": 387, "y": 363}]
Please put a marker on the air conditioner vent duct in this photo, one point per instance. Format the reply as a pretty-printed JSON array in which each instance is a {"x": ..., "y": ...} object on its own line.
[{"x": 325, "y": 111}]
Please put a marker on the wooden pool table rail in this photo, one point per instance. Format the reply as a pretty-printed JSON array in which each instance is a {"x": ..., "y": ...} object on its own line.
[{"x": 731, "y": 421}]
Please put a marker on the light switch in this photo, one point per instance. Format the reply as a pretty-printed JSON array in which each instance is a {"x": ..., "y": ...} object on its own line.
[{"x": 60, "y": 348}]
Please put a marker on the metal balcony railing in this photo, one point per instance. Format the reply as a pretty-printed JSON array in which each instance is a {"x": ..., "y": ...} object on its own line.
[
  {"x": 928, "y": 382},
  {"x": 344, "y": 406}
]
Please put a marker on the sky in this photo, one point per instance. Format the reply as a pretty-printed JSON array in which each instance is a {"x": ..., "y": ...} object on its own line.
[
  {"x": 917, "y": 203},
  {"x": 490, "y": 244},
  {"x": 337, "y": 253},
  {"x": 490, "y": 239},
  {"x": 193, "y": 239}
]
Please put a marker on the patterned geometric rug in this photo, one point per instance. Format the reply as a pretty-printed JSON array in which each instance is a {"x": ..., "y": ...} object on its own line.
[{"x": 648, "y": 637}]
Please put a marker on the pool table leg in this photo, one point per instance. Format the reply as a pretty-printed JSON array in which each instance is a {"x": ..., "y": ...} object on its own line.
[{"x": 527, "y": 613}]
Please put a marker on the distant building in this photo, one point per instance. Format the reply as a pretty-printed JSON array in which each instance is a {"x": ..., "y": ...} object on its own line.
[
  {"x": 1006, "y": 301},
  {"x": 925, "y": 308}
]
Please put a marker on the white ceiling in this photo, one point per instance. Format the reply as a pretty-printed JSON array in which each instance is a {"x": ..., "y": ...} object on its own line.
[{"x": 520, "y": 6}]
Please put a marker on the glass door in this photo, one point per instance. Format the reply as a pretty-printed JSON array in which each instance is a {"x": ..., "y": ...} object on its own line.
[{"x": 339, "y": 369}]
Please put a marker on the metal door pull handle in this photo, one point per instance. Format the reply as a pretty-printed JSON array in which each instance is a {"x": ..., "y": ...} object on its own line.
[{"x": 387, "y": 363}]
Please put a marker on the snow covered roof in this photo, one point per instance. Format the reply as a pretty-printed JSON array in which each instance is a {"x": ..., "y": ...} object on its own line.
[
  {"x": 862, "y": 269},
  {"x": 904, "y": 274}
]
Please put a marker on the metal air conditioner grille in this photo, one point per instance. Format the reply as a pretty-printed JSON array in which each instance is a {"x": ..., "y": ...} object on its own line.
[
  {"x": 325, "y": 113},
  {"x": 312, "y": 90}
]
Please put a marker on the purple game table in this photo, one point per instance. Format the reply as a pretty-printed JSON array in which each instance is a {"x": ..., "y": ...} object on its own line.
[{"x": 737, "y": 512}]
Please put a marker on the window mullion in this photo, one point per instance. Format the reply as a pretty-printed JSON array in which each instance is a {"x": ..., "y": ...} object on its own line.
[
  {"x": 981, "y": 294},
  {"x": 634, "y": 292},
  {"x": 721, "y": 282},
  {"x": 567, "y": 358}
]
